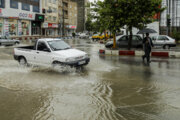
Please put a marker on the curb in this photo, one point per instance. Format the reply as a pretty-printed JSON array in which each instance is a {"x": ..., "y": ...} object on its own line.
[{"x": 139, "y": 53}]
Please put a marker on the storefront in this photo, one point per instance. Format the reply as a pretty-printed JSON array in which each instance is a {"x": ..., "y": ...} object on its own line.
[
  {"x": 36, "y": 24},
  {"x": 50, "y": 29},
  {"x": 71, "y": 29},
  {"x": 1, "y": 26},
  {"x": 16, "y": 23},
  {"x": 24, "y": 27}
]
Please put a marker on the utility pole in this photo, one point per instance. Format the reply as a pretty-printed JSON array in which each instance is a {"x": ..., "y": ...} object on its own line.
[{"x": 63, "y": 18}]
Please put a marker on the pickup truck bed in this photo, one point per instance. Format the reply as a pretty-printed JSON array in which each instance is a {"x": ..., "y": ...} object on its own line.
[{"x": 27, "y": 47}]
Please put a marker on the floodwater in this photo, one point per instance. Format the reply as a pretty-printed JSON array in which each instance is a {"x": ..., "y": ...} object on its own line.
[{"x": 109, "y": 88}]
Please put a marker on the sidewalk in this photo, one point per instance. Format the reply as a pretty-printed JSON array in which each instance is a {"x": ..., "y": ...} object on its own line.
[{"x": 139, "y": 53}]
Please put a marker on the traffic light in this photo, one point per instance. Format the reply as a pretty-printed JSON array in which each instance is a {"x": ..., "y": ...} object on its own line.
[{"x": 168, "y": 22}]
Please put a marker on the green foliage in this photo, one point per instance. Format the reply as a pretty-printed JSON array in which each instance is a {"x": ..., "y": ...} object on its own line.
[
  {"x": 176, "y": 35},
  {"x": 73, "y": 34},
  {"x": 114, "y": 14}
]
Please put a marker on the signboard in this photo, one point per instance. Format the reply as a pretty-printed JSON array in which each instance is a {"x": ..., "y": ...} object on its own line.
[
  {"x": 39, "y": 18},
  {"x": 1, "y": 12},
  {"x": 52, "y": 25},
  {"x": 19, "y": 28},
  {"x": 13, "y": 13},
  {"x": 45, "y": 25},
  {"x": 25, "y": 16},
  {"x": 6, "y": 27},
  {"x": 71, "y": 26}
]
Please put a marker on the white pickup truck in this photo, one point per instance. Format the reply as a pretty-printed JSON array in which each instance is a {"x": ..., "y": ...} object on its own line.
[{"x": 50, "y": 52}]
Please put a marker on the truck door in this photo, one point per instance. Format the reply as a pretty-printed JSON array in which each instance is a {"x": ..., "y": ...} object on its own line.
[{"x": 43, "y": 54}]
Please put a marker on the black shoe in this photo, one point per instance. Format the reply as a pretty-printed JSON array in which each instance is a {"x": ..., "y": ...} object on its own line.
[
  {"x": 148, "y": 61},
  {"x": 143, "y": 58}
]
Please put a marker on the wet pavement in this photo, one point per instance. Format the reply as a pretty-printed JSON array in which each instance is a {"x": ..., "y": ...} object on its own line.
[{"x": 109, "y": 88}]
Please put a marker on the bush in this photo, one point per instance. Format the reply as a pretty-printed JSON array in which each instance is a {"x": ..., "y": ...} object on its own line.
[{"x": 176, "y": 35}]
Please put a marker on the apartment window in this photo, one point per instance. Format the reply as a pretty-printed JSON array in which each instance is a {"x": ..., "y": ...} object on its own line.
[
  {"x": 54, "y": 1},
  {"x": 54, "y": 10},
  {"x": 54, "y": 18},
  {"x": 13, "y": 4},
  {"x": 36, "y": 9},
  {"x": 35, "y": 0},
  {"x": 2, "y": 3},
  {"x": 25, "y": 7},
  {"x": 49, "y": 18}
]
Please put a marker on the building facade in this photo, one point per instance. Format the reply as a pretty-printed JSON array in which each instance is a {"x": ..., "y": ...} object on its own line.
[
  {"x": 173, "y": 13},
  {"x": 67, "y": 17},
  {"x": 20, "y": 17},
  {"x": 50, "y": 11},
  {"x": 82, "y": 15},
  {"x": 72, "y": 17}
]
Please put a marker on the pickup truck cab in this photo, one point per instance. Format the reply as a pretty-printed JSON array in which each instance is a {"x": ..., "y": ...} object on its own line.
[{"x": 48, "y": 52}]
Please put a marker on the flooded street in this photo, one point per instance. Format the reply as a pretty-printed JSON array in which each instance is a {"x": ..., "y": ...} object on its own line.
[{"x": 108, "y": 88}]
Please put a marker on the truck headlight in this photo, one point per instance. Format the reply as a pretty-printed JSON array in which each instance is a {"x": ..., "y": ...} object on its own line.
[
  {"x": 86, "y": 56},
  {"x": 69, "y": 59}
]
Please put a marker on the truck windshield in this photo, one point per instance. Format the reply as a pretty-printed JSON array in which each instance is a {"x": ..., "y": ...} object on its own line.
[{"x": 58, "y": 45}]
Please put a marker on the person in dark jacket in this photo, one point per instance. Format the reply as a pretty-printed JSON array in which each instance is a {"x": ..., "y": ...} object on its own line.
[{"x": 147, "y": 43}]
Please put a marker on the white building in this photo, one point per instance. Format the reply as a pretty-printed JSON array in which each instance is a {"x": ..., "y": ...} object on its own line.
[
  {"x": 173, "y": 11},
  {"x": 20, "y": 17}
]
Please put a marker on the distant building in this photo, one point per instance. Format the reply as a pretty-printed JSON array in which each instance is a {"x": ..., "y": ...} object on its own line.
[
  {"x": 51, "y": 23},
  {"x": 82, "y": 13},
  {"x": 20, "y": 17},
  {"x": 173, "y": 12},
  {"x": 72, "y": 9},
  {"x": 67, "y": 17}
]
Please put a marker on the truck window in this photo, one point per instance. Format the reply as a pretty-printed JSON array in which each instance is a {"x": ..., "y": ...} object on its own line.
[{"x": 42, "y": 46}]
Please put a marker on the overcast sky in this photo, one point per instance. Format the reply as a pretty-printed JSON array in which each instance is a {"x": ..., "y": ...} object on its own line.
[{"x": 93, "y": 0}]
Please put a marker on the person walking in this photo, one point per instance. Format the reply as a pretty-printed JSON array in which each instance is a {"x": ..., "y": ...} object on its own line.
[{"x": 147, "y": 44}]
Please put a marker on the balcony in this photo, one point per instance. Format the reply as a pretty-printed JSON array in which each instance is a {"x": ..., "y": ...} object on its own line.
[
  {"x": 66, "y": 1},
  {"x": 65, "y": 8},
  {"x": 66, "y": 17}
]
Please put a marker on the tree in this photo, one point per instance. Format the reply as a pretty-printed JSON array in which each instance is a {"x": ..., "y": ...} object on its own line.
[
  {"x": 107, "y": 16},
  {"x": 138, "y": 13},
  {"x": 114, "y": 14},
  {"x": 89, "y": 23}
]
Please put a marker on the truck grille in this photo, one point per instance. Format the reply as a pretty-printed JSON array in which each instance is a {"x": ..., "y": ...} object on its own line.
[{"x": 79, "y": 58}]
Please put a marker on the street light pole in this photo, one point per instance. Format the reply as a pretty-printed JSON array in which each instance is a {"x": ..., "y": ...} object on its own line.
[{"x": 63, "y": 18}]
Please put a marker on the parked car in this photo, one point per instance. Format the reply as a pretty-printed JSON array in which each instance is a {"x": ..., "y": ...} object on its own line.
[
  {"x": 163, "y": 41},
  {"x": 50, "y": 52},
  {"x": 100, "y": 37},
  {"x": 122, "y": 41},
  {"x": 83, "y": 35},
  {"x": 4, "y": 40}
]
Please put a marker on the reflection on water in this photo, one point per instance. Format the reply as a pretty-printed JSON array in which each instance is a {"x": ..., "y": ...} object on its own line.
[{"x": 109, "y": 88}]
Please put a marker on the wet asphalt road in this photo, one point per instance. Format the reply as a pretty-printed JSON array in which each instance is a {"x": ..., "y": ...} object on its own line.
[{"x": 109, "y": 88}]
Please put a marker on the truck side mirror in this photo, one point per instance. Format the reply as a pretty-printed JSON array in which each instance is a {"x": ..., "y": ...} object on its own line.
[{"x": 46, "y": 50}]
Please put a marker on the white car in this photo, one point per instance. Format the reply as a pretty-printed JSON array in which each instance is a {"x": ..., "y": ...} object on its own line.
[
  {"x": 83, "y": 35},
  {"x": 50, "y": 52},
  {"x": 163, "y": 41}
]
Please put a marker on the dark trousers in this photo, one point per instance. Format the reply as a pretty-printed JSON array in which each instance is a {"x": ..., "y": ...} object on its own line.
[{"x": 147, "y": 54}]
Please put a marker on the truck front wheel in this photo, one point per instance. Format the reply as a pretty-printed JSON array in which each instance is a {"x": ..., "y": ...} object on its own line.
[{"x": 22, "y": 61}]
